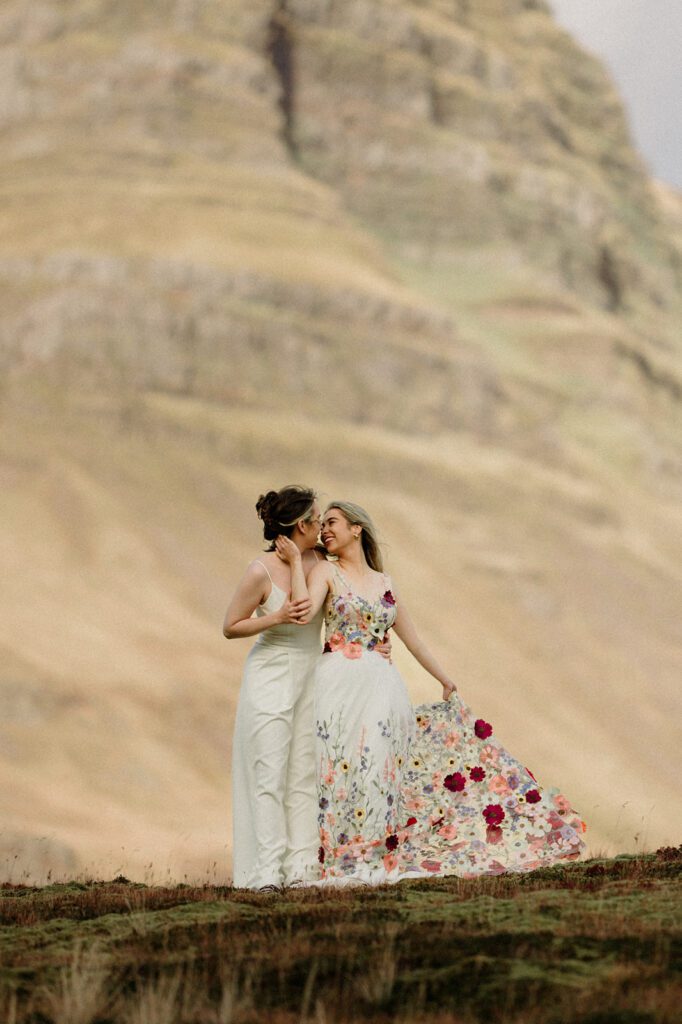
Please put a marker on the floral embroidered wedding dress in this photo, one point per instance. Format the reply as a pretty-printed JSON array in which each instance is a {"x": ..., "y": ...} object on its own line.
[{"x": 413, "y": 792}]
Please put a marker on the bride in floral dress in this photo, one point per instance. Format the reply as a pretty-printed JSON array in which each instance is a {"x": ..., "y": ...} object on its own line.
[{"x": 405, "y": 792}]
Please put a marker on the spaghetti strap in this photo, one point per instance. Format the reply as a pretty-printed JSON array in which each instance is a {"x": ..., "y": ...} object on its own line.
[
  {"x": 339, "y": 575},
  {"x": 258, "y": 561}
]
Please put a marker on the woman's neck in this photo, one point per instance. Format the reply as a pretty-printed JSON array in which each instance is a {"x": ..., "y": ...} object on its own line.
[{"x": 353, "y": 561}]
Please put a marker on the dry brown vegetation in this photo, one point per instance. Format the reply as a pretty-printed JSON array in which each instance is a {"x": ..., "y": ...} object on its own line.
[{"x": 598, "y": 941}]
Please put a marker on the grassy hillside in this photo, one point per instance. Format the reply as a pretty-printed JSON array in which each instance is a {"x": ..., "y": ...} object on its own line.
[{"x": 591, "y": 943}]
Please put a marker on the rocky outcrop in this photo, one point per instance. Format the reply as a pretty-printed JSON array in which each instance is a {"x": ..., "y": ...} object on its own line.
[{"x": 195, "y": 189}]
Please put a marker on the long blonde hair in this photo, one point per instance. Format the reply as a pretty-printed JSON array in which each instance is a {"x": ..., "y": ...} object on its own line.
[{"x": 356, "y": 516}]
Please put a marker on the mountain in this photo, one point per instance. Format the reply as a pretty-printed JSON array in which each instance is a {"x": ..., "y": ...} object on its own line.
[{"x": 402, "y": 251}]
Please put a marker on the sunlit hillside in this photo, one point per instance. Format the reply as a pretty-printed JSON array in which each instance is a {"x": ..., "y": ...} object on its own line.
[{"x": 401, "y": 251}]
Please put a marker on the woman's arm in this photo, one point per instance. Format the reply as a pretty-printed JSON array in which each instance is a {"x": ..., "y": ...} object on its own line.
[
  {"x": 405, "y": 629},
  {"x": 318, "y": 585},
  {"x": 249, "y": 594},
  {"x": 289, "y": 553}
]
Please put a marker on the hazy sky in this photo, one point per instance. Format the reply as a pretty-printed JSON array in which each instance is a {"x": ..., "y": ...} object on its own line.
[{"x": 641, "y": 42}]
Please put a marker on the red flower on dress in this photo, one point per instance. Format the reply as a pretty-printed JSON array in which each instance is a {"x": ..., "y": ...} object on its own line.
[
  {"x": 493, "y": 834},
  {"x": 477, "y": 773},
  {"x": 320, "y": 855},
  {"x": 532, "y": 796},
  {"x": 388, "y": 599},
  {"x": 410, "y": 821},
  {"x": 455, "y": 782},
  {"x": 391, "y": 842},
  {"x": 531, "y": 775},
  {"x": 493, "y": 814},
  {"x": 482, "y": 729}
]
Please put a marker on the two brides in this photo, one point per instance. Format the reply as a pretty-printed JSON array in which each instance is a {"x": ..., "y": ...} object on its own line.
[{"x": 398, "y": 792}]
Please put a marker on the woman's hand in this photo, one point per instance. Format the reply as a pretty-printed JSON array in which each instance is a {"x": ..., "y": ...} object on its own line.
[
  {"x": 296, "y": 612},
  {"x": 448, "y": 688},
  {"x": 287, "y": 550},
  {"x": 385, "y": 649}
]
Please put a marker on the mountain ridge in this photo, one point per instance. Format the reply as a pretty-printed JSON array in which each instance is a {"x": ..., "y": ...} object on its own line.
[{"x": 398, "y": 295}]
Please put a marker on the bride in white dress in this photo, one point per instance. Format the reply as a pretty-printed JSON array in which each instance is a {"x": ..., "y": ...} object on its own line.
[
  {"x": 274, "y": 807},
  {"x": 273, "y": 757},
  {"x": 403, "y": 791}
]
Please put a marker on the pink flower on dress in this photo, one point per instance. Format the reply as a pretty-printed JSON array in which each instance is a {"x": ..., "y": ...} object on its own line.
[
  {"x": 483, "y": 729},
  {"x": 336, "y": 642},
  {"x": 417, "y": 804},
  {"x": 437, "y": 779},
  {"x": 342, "y": 795},
  {"x": 390, "y": 861},
  {"x": 353, "y": 650},
  {"x": 448, "y": 831},
  {"x": 560, "y": 802},
  {"x": 329, "y": 778},
  {"x": 430, "y": 865},
  {"x": 489, "y": 753},
  {"x": 498, "y": 784},
  {"x": 451, "y": 740},
  {"x": 493, "y": 814}
]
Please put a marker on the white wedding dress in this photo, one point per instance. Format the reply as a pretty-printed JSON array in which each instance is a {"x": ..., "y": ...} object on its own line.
[
  {"x": 273, "y": 756},
  {"x": 412, "y": 792}
]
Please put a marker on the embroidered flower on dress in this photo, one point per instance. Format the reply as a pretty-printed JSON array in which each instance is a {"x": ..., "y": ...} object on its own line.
[
  {"x": 493, "y": 834},
  {"x": 344, "y": 766},
  {"x": 477, "y": 773},
  {"x": 336, "y": 641},
  {"x": 493, "y": 814},
  {"x": 353, "y": 650},
  {"x": 320, "y": 855},
  {"x": 482, "y": 729},
  {"x": 532, "y": 796},
  {"x": 388, "y": 599},
  {"x": 455, "y": 782},
  {"x": 391, "y": 842},
  {"x": 359, "y": 813}
]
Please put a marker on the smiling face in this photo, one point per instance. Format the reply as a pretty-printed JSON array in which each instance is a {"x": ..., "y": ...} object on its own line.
[{"x": 337, "y": 532}]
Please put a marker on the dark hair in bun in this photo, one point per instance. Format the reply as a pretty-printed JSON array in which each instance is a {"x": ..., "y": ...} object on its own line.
[{"x": 281, "y": 510}]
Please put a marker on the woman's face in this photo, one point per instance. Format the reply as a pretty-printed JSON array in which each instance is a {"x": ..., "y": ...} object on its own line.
[
  {"x": 336, "y": 531},
  {"x": 311, "y": 527}
]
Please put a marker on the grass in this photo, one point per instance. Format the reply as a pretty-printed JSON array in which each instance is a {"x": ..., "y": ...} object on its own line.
[{"x": 591, "y": 943}]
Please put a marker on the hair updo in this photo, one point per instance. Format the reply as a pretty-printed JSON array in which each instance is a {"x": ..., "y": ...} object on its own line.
[{"x": 281, "y": 510}]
